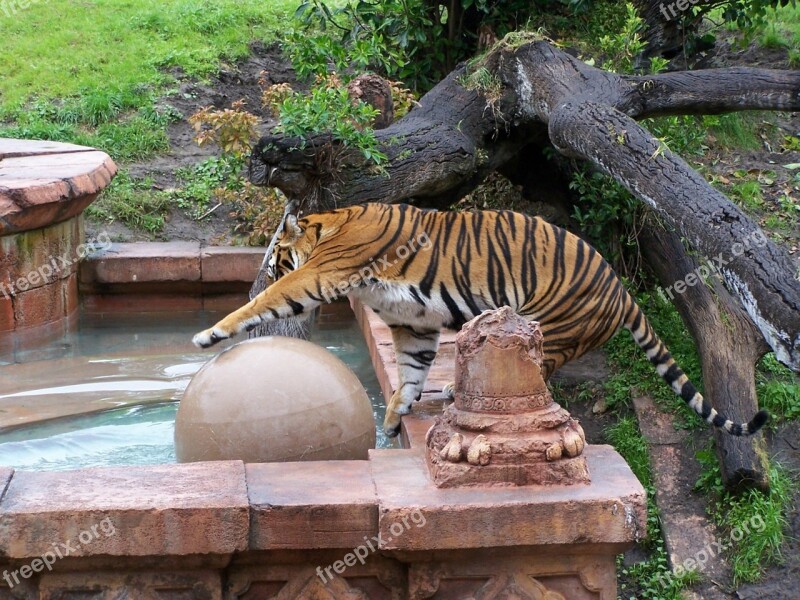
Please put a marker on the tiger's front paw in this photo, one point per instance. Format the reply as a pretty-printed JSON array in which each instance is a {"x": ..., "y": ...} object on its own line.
[
  {"x": 391, "y": 424},
  {"x": 449, "y": 390},
  {"x": 209, "y": 337}
]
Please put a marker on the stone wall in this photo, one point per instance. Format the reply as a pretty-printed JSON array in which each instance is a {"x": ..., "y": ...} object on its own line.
[{"x": 302, "y": 530}]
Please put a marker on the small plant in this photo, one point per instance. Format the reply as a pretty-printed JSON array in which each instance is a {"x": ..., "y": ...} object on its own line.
[
  {"x": 257, "y": 210},
  {"x": 274, "y": 95},
  {"x": 609, "y": 216},
  {"x": 621, "y": 49},
  {"x": 233, "y": 129},
  {"x": 200, "y": 183},
  {"x": 791, "y": 144},
  {"x": 403, "y": 99},
  {"x": 748, "y": 194},
  {"x": 329, "y": 109}
]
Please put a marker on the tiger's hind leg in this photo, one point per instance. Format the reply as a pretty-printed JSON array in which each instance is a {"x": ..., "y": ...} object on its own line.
[{"x": 415, "y": 351}]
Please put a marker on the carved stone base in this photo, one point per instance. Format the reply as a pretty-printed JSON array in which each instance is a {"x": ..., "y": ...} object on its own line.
[{"x": 503, "y": 428}]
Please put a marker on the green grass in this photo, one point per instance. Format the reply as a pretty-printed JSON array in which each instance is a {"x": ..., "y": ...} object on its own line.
[
  {"x": 778, "y": 390},
  {"x": 735, "y": 130},
  {"x": 783, "y": 28},
  {"x": 197, "y": 184},
  {"x": 132, "y": 202},
  {"x": 754, "y": 523},
  {"x": 92, "y": 73},
  {"x": 58, "y": 49}
]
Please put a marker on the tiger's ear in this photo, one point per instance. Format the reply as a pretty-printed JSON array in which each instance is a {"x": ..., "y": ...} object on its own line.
[{"x": 292, "y": 228}]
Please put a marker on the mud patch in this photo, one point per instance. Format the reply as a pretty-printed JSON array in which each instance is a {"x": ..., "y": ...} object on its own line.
[{"x": 232, "y": 83}]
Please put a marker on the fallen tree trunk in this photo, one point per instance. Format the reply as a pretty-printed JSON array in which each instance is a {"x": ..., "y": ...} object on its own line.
[
  {"x": 459, "y": 133},
  {"x": 536, "y": 96},
  {"x": 729, "y": 346}
]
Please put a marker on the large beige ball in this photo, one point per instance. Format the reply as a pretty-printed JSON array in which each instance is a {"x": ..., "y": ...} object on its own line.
[{"x": 274, "y": 399}]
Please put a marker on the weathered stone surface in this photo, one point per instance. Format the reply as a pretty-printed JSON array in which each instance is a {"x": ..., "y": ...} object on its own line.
[
  {"x": 226, "y": 263},
  {"x": 141, "y": 302},
  {"x": 6, "y": 473},
  {"x": 503, "y": 427},
  {"x": 294, "y": 576},
  {"x": 7, "y": 322},
  {"x": 536, "y": 574},
  {"x": 39, "y": 256},
  {"x": 39, "y": 306},
  {"x": 609, "y": 510},
  {"x": 140, "y": 263},
  {"x": 42, "y": 183},
  {"x": 172, "y": 585},
  {"x": 199, "y": 508},
  {"x": 328, "y": 504}
]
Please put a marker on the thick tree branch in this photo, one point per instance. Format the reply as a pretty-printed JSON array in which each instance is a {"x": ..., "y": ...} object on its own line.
[
  {"x": 433, "y": 151},
  {"x": 711, "y": 91},
  {"x": 761, "y": 276}
]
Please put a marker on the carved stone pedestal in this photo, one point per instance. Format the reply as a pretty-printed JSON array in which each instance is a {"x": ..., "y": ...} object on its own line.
[{"x": 504, "y": 427}]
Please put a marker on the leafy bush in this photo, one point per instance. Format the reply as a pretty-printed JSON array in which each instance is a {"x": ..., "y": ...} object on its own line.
[
  {"x": 233, "y": 129},
  {"x": 329, "y": 109}
]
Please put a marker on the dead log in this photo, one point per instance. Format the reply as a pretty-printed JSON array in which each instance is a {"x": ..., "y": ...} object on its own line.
[
  {"x": 532, "y": 95},
  {"x": 729, "y": 345}
]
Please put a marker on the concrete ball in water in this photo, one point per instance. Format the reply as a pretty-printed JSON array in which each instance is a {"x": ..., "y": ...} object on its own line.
[{"x": 274, "y": 399}]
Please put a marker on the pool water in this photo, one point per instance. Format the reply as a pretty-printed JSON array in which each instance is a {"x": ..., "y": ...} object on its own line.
[{"x": 130, "y": 370}]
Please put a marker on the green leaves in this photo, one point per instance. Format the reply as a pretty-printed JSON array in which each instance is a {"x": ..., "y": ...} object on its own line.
[{"x": 329, "y": 109}]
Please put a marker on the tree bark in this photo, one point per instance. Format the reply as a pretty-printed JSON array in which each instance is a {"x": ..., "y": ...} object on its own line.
[
  {"x": 464, "y": 128},
  {"x": 729, "y": 346}
]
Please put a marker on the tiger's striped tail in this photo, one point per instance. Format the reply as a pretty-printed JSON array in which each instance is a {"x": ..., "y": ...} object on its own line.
[{"x": 641, "y": 330}]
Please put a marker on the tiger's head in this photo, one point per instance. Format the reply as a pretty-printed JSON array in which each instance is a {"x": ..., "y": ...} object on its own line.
[{"x": 295, "y": 243}]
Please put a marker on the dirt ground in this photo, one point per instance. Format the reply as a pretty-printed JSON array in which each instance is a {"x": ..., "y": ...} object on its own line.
[{"x": 241, "y": 82}]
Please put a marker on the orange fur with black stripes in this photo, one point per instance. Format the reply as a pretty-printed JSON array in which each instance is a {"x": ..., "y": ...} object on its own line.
[{"x": 424, "y": 270}]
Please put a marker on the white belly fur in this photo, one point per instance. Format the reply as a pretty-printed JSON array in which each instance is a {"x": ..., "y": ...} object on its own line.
[{"x": 396, "y": 306}]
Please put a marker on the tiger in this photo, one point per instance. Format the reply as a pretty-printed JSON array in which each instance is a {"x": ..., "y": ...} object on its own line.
[{"x": 422, "y": 270}]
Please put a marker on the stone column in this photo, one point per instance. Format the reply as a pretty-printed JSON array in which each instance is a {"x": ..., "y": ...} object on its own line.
[
  {"x": 504, "y": 427},
  {"x": 44, "y": 188}
]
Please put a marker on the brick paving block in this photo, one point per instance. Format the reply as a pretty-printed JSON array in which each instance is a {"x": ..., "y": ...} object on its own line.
[
  {"x": 229, "y": 263},
  {"x": 141, "y": 263},
  {"x": 189, "y": 509},
  {"x": 315, "y": 504}
]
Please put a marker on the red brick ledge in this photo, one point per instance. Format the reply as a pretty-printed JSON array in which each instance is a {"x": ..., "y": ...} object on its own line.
[
  {"x": 226, "y": 508},
  {"x": 175, "y": 262}
]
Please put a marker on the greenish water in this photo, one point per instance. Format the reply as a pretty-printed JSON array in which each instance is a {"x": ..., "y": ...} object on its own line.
[{"x": 126, "y": 357}]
